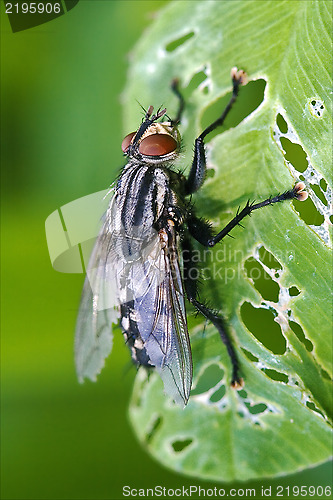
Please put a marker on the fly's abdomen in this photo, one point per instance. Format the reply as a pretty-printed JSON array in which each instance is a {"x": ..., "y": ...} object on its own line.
[{"x": 132, "y": 335}]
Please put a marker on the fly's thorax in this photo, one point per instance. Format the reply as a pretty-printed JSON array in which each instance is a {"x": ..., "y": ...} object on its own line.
[
  {"x": 142, "y": 196},
  {"x": 157, "y": 143}
]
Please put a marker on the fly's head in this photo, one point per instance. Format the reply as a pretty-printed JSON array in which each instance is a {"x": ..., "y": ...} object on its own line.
[{"x": 153, "y": 142}]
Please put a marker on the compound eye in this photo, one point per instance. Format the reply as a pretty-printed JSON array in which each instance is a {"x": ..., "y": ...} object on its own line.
[
  {"x": 127, "y": 141},
  {"x": 157, "y": 145}
]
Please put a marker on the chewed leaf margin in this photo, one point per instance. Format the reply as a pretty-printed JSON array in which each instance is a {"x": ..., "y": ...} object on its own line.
[{"x": 285, "y": 408}]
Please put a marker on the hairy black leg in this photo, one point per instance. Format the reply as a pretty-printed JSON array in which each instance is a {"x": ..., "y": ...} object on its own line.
[
  {"x": 198, "y": 168},
  {"x": 200, "y": 229},
  {"x": 181, "y": 106},
  {"x": 236, "y": 380},
  {"x": 191, "y": 290},
  {"x": 204, "y": 236}
]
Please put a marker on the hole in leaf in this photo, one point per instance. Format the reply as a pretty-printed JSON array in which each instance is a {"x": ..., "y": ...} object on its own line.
[
  {"x": 249, "y": 355},
  {"x": 282, "y": 124},
  {"x": 294, "y": 291},
  {"x": 155, "y": 426},
  {"x": 178, "y": 42},
  {"x": 295, "y": 154},
  {"x": 308, "y": 212},
  {"x": 325, "y": 374},
  {"x": 212, "y": 375},
  {"x": 323, "y": 184},
  {"x": 298, "y": 331},
  {"x": 317, "y": 108},
  {"x": 181, "y": 444},
  {"x": 250, "y": 97},
  {"x": 218, "y": 394},
  {"x": 268, "y": 259},
  {"x": 274, "y": 375},
  {"x": 242, "y": 394},
  {"x": 210, "y": 172},
  {"x": 319, "y": 193},
  {"x": 268, "y": 288},
  {"x": 196, "y": 80},
  {"x": 255, "y": 409},
  {"x": 261, "y": 323},
  {"x": 313, "y": 407}
]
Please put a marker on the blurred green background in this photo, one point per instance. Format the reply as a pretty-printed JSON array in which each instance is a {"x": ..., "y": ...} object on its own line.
[{"x": 61, "y": 135}]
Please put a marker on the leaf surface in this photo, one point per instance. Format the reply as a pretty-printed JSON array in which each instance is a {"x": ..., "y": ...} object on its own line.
[{"x": 273, "y": 281}]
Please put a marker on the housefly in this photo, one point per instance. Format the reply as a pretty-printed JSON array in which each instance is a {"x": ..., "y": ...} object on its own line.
[{"x": 134, "y": 275}]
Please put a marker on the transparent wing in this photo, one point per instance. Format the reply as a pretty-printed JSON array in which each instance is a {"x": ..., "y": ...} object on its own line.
[
  {"x": 160, "y": 315},
  {"x": 139, "y": 269},
  {"x": 99, "y": 306}
]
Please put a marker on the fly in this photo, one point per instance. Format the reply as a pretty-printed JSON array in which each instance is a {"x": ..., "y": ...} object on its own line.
[{"x": 134, "y": 275}]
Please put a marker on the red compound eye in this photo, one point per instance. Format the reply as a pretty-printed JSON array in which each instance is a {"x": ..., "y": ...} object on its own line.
[
  {"x": 157, "y": 145},
  {"x": 127, "y": 141}
]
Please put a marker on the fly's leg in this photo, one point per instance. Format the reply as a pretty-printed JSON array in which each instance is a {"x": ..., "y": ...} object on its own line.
[
  {"x": 198, "y": 168},
  {"x": 181, "y": 105},
  {"x": 191, "y": 290},
  {"x": 202, "y": 232}
]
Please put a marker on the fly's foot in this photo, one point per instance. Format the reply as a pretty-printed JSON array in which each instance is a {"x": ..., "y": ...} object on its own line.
[
  {"x": 238, "y": 76},
  {"x": 299, "y": 192},
  {"x": 237, "y": 384}
]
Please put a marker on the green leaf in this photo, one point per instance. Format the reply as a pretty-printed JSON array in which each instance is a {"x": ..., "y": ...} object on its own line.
[{"x": 273, "y": 281}]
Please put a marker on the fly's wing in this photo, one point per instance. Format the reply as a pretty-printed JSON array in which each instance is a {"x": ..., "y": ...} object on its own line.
[
  {"x": 139, "y": 267},
  {"x": 160, "y": 315},
  {"x": 99, "y": 306}
]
